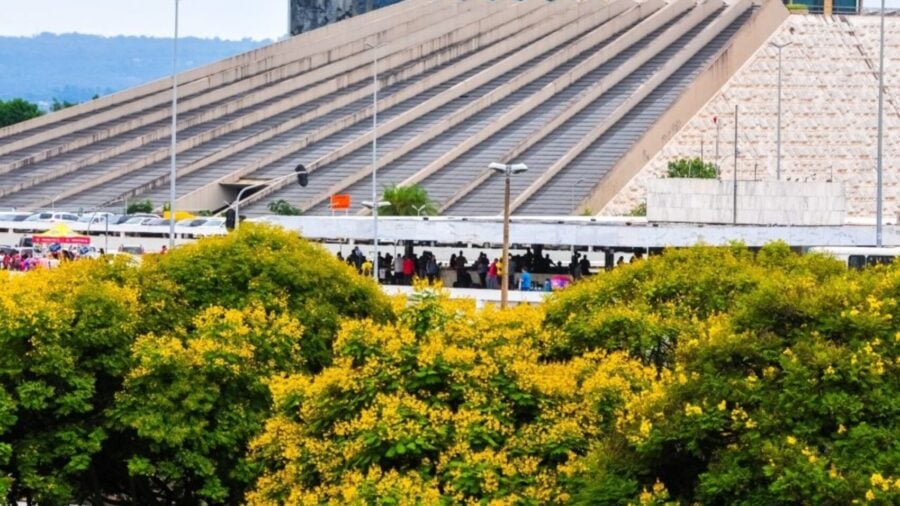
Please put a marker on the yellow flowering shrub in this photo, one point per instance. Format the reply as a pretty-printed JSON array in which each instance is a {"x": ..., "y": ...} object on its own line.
[
  {"x": 789, "y": 396},
  {"x": 446, "y": 405},
  {"x": 64, "y": 343},
  {"x": 261, "y": 265}
]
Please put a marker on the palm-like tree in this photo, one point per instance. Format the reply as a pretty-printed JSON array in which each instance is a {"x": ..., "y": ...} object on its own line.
[{"x": 410, "y": 200}]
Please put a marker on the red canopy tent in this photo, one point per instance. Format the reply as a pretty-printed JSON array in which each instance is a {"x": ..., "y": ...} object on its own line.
[{"x": 60, "y": 234}]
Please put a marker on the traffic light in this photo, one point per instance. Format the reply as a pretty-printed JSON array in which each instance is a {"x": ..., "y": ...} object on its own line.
[
  {"x": 302, "y": 175},
  {"x": 229, "y": 219}
]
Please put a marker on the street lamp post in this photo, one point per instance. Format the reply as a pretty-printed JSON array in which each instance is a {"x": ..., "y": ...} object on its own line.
[
  {"x": 778, "y": 127},
  {"x": 878, "y": 181},
  {"x": 507, "y": 170},
  {"x": 300, "y": 173},
  {"x": 374, "y": 157},
  {"x": 172, "y": 193}
]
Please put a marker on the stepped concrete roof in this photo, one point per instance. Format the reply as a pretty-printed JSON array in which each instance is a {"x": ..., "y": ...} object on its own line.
[{"x": 584, "y": 93}]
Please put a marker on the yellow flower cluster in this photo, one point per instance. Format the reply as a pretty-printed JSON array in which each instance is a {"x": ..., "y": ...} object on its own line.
[{"x": 470, "y": 411}]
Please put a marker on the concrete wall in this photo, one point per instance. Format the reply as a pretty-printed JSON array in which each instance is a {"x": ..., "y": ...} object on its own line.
[
  {"x": 749, "y": 38},
  {"x": 758, "y": 202}
]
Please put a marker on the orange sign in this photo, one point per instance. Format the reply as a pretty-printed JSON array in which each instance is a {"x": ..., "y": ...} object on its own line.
[{"x": 340, "y": 202}]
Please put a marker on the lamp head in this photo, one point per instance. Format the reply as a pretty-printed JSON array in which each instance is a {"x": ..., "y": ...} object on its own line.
[{"x": 503, "y": 168}]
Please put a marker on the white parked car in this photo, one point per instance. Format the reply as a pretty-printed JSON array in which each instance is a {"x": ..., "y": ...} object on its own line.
[
  {"x": 53, "y": 217},
  {"x": 95, "y": 218}
]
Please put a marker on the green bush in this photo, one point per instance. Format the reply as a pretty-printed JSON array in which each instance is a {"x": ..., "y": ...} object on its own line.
[
  {"x": 691, "y": 168},
  {"x": 284, "y": 208},
  {"x": 785, "y": 394},
  {"x": 140, "y": 206}
]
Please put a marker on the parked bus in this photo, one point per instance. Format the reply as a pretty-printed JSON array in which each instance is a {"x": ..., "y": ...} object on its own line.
[{"x": 859, "y": 257}]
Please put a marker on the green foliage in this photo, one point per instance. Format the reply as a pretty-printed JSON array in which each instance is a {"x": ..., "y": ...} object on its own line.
[
  {"x": 639, "y": 210},
  {"x": 17, "y": 110},
  {"x": 283, "y": 208},
  {"x": 691, "y": 168},
  {"x": 65, "y": 337},
  {"x": 797, "y": 8},
  {"x": 146, "y": 384},
  {"x": 259, "y": 265},
  {"x": 196, "y": 398},
  {"x": 58, "y": 106},
  {"x": 140, "y": 206},
  {"x": 445, "y": 407},
  {"x": 256, "y": 368},
  {"x": 407, "y": 201},
  {"x": 785, "y": 392}
]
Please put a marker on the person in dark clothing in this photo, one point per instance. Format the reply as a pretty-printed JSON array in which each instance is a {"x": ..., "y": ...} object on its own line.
[{"x": 585, "y": 266}]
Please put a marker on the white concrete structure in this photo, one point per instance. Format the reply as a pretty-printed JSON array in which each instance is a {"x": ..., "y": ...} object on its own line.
[
  {"x": 758, "y": 202},
  {"x": 829, "y": 123},
  {"x": 622, "y": 232}
]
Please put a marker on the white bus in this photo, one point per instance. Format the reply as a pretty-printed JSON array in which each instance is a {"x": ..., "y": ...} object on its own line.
[{"x": 859, "y": 257}]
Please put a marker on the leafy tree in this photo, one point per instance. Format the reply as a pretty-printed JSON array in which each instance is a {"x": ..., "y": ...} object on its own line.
[
  {"x": 195, "y": 399},
  {"x": 787, "y": 394},
  {"x": 691, "y": 168},
  {"x": 407, "y": 201},
  {"x": 220, "y": 318},
  {"x": 65, "y": 336},
  {"x": 446, "y": 406},
  {"x": 140, "y": 206},
  {"x": 58, "y": 106},
  {"x": 17, "y": 110},
  {"x": 284, "y": 208}
]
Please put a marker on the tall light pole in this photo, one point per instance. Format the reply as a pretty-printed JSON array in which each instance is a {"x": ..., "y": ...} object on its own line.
[
  {"x": 172, "y": 194},
  {"x": 778, "y": 128},
  {"x": 716, "y": 122},
  {"x": 374, "y": 158},
  {"x": 507, "y": 170},
  {"x": 878, "y": 203}
]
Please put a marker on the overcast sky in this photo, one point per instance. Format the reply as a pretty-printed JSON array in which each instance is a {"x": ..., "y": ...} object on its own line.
[{"x": 226, "y": 19}]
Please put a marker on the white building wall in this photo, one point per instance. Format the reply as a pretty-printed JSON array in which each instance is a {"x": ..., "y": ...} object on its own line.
[{"x": 758, "y": 202}]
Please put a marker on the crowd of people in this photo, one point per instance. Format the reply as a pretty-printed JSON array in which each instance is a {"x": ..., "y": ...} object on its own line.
[
  {"x": 483, "y": 272},
  {"x": 27, "y": 259}
]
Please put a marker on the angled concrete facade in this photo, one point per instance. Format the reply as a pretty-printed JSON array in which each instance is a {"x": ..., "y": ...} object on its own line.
[{"x": 585, "y": 93}]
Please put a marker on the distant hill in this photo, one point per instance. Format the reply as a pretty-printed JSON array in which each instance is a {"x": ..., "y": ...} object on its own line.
[{"x": 76, "y": 67}]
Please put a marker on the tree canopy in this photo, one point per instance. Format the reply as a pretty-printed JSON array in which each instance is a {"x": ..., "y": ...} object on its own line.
[
  {"x": 17, "y": 110},
  {"x": 256, "y": 369},
  {"x": 410, "y": 200}
]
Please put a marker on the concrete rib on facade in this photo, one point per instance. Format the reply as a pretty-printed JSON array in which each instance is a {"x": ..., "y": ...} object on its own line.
[{"x": 584, "y": 93}]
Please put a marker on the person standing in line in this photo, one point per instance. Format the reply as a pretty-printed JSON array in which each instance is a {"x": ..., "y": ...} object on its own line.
[
  {"x": 431, "y": 269},
  {"x": 398, "y": 270},
  {"x": 482, "y": 270},
  {"x": 525, "y": 280},
  {"x": 409, "y": 268},
  {"x": 492, "y": 275}
]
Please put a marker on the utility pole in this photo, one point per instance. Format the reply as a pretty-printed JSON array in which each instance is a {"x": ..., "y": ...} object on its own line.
[
  {"x": 778, "y": 128},
  {"x": 735, "y": 199},
  {"x": 878, "y": 177}
]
